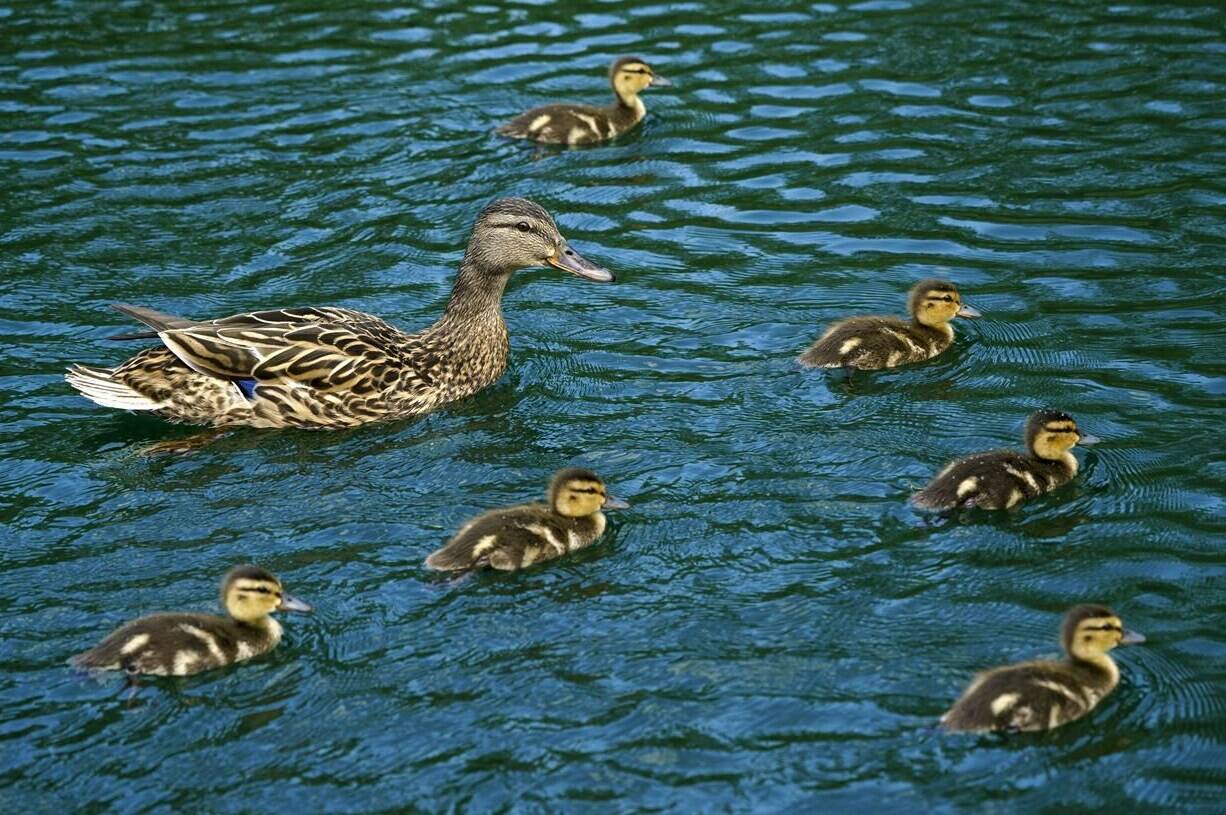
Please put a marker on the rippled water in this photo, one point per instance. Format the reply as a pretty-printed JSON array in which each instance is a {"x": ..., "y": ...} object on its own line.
[{"x": 770, "y": 626}]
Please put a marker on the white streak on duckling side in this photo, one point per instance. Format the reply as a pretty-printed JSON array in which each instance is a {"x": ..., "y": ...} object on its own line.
[
  {"x": 967, "y": 487},
  {"x": 210, "y": 642},
  {"x": 849, "y": 345},
  {"x": 1003, "y": 702},
  {"x": 484, "y": 545},
  {"x": 1061, "y": 689},
  {"x": 539, "y": 122},
  {"x": 135, "y": 644},
  {"x": 185, "y": 663}
]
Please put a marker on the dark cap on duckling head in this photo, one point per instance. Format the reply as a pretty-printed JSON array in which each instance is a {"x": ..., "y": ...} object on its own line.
[
  {"x": 1075, "y": 616},
  {"x": 1054, "y": 421},
  {"x": 578, "y": 475},
  {"x": 268, "y": 581}
]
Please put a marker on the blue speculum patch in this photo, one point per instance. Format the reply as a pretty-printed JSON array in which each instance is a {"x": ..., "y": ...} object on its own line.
[{"x": 247, "y": 386}]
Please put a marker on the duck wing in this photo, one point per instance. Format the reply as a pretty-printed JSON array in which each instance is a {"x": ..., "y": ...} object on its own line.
[{"x": 322, "y": 348}]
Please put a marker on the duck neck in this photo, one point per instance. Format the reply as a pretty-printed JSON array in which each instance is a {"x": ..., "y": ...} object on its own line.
[
  {"x": 628, "y": 104},
  {"x": 264, "y": 628},
  {"x": 943, "y": 328},
  {"x": 477, "y": 293},
  {"x": 1099, "y": 664}
]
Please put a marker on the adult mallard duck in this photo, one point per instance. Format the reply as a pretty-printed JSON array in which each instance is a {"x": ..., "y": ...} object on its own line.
[
  {"x": 873, "y": 343},
  {"x": 1002, "y": 479},
  {"x": 587, "y": 124},
  {"x": 1045, "y": 694},
  {"x": 519, "y": 536},
  {"x": 179, "y": 644},
  {"x": 333, "y": 367}
]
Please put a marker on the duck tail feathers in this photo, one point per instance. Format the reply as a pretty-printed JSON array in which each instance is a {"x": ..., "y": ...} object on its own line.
[{"x": 97, "y": 385}]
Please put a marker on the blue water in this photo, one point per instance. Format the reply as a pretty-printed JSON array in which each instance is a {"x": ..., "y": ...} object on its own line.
[{"x": 770, "y": 626}]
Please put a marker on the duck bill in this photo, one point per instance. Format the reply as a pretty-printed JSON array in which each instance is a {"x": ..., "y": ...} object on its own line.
[
  {"x": 967, "y": 311},
  {"x": 1087, "y": 438},
  {"x": 658, "y": 81},
  {"x": 614, "y": 503},
  {"x": 568, "y": 260},
  {"x": 1132, "y": 638},
  {"x": 294, "y": 604}
]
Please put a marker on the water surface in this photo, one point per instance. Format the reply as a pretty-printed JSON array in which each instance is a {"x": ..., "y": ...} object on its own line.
[{"x": 770, "y": 626}]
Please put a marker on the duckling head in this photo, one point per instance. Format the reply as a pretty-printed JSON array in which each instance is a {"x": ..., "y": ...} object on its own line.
[
  {"x": 515, "y": 233},
  {"x": 249, "y": 594},
  {"x": 934, "y": 302},
  {"x": 576, "y": 493},
  {"x": 1050, "y": 434},
  {"x": 1091, "y": 631},
  {"x": 631, "y": 75}
]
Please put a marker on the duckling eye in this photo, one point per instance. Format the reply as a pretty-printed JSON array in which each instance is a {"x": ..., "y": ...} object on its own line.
[{"x": 524, "y": 226}]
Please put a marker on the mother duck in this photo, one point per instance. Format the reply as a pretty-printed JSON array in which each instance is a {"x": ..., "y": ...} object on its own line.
[{"x": 333, "y": 367}]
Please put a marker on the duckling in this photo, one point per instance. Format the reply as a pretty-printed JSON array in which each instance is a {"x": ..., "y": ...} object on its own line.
[
  {"x": 587, "y": 124},
  {"x": 180, "y": 644},
  {"x": 519, "y": 536},
  {"x": 323, "y": 368},
  {"x": 1042, "y": 695},
  {"x": 873, "y": 343},
  {"x": 1002, "y": 479}
]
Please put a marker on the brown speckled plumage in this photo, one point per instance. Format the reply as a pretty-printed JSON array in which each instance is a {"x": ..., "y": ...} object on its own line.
[{"x": 334, "y": 367}]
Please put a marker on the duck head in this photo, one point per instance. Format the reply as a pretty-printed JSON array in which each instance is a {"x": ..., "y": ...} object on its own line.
[
  {"x": 934, "y": 303},
  {"x": 631, "y": 75},
  {"x": 515, "y": 233},
  {"x": 576, "y": 493},
  {"x": 1090, "y": 631},
  {"x": 249, "y": 594},
  {"x": 1050, "y": 434}
]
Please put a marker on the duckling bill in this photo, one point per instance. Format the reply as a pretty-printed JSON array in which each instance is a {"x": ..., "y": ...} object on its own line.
[
  {"x": 1002, "y": 479},
  {"x": 326, "y": 367},
  {"x": 874, "y": 343},
  {"x": 1042, "y": 695},
  {"x": 181, "y": 644},
  {"x": 588, "y": 124},
  {"x": 520, "y": 536}
]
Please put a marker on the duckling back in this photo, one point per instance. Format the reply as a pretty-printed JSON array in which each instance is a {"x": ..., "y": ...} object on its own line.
[
  {"x": 180, "y": 644},
  {"x": 1029, "y": 697},
  {"x": 997, "y": 480},
  {"x": 873, "y": 343},
  {"x": 517, "y": 537}
]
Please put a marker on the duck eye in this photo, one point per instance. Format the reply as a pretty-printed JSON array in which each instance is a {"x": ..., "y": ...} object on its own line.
[{"x": 524, "y": 226}]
